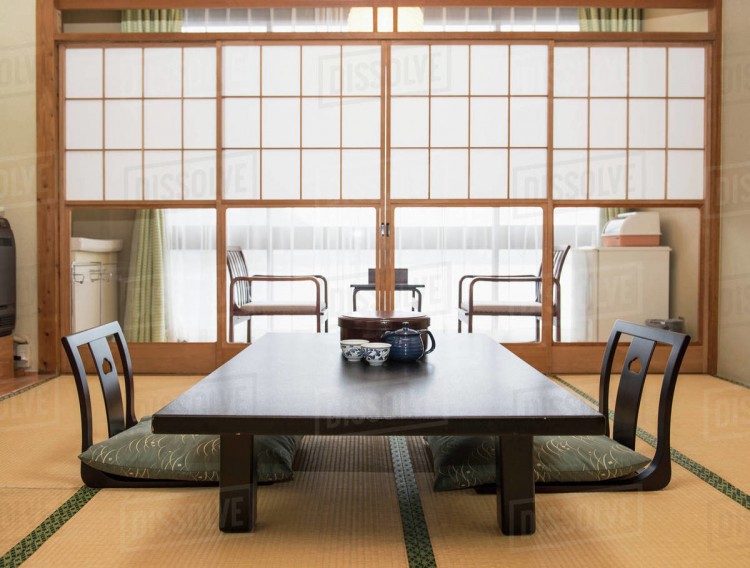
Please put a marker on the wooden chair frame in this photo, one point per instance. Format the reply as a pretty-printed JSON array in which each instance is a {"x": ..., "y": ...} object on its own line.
[
  {"x": 119, "y": 419},
  {"x": 240, "y": 293}
]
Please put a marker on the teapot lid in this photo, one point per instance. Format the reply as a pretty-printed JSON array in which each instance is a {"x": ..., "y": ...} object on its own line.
[{"x": 406, "y": 330}]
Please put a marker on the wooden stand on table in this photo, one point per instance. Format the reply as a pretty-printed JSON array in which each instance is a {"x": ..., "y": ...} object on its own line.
[{"x": 6, "y": 357}]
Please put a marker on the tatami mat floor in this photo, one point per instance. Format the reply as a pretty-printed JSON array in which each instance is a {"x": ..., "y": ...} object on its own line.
[{"x": 345, "y": 506}]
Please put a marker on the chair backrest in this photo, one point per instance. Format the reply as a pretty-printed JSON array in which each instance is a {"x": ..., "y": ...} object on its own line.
[
  {"x": 632, "y": 379},
  {"x": 558, "y": 260},
  {"x": 96, "y": 339},
  {"x": 402, "y": 276},
  {"x": 238, "y": 267}
]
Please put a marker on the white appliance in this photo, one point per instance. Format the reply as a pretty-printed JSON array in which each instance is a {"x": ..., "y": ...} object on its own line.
[
  {"x": 601, "y": 285},
  {"x": 634, "y": 229},
  {"x": 93, "y": 281}
]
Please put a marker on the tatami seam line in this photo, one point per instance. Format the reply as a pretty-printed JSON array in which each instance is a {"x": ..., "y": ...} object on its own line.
[
  {"x": 700, "y": 471},
  {"x": 28, "y": 388},
  {"x": 416, "y": 533},
  {"x": 48, "y": 527}
]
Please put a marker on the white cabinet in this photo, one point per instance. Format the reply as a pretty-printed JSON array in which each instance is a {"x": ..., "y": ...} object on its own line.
[
  {"x": 601, "y": 285},
  {"x": 93, "y": 282}
]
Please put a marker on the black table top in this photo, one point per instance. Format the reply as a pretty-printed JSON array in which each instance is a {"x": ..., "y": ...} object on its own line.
[{"x": 300, "y": 384}]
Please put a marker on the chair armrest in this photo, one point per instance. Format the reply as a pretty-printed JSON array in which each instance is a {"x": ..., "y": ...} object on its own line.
[
  {"x": 282, "y": 277},
  {"x": 509, "y": 278},
  {"x": 279, "y": 278}
]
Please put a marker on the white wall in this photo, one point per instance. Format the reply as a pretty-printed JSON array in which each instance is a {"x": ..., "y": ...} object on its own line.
[
  {"x": 734, "y": 292},
  {"x": 18, "y": 152}
]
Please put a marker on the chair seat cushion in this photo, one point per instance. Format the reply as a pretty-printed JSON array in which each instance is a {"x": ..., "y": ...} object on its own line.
[
  {"x": 279, "y": 309},
  {"x": 137, "y": 452},
  {"x": 505, "y": 309},
  {"x": 468, "y": 461}
]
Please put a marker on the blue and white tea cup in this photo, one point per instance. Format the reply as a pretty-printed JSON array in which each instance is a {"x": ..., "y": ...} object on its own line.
[
  {"x": 352, "y": 349},
  {"x": 376, "y": 353}
]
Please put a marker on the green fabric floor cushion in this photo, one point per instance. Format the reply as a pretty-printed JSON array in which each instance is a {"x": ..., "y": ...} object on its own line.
[
  {"x": 137, "y": 452},
  {"x": 468, "y": 461}
]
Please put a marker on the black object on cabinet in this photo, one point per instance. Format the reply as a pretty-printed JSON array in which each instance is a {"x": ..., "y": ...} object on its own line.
[{"x": 7, "y": 279}]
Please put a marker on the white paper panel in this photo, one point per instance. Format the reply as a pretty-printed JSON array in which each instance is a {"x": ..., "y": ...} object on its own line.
[
  {"x": 489, "y": 121},
  {"x": 123, "y": 72},
  {"x": 83, "y": 73},
  {"x": 200, "y": 123},
  {"x": 449, "y": 174},
  {"x": 569, "y": 174},
  {"x": 450, "y": 70},
  {"x": 200, "y": 174},
  {"x": 360, "y": 174},
  {"x": 83, "y": 125},
  {"x": 686, "y": 123},
  {"x": 281, "y": 123},
  {"x": 609, "y": 71},
  {"x": 162, "y": 124},
  {"x": 410, "y": 70},
  {"x": 409, "y": 122},
  {"x": 648, "y": 123},
  {"x": 162, "y": 175},
  {"x": 241, "y": 175},
  {"x": 200, "y": 72},
  {"x": 528, "y": 70},
  {"x": 162, "y": 73},
  {"x": 489, "y": 174},
  {"x": 280, "y": 174},
  {"x": 571, "y": 118},
  {"x": 685, "y": 174},
  {"x": 648, "y": 71},
  {"x": 361, "y": 72},
  {"x": 449, "y": 122},
  {"x": 123, "y": 121},
  {"x": 608, "y": 174},
  {"x": 489, "y": 69},
  {"x": 83, "y": 176},
  {"x": 320, "y": 123},
  {"x": 361, "y": 123},
  {"x": 320, "y": 174},
  {"x": 528, "y": 174},
  {"x": 241, "y": 123},
  {"x": 571, "y": 71},
  {"x": 528, "y": 121},
  {"x": 321, "y": 70},
  {"x": 647, "y": 174},
  {"x": 608, "y": 123},
  {"x": 241, "y": 70},
  {"x": 281, "y": 70},
  {"x": 123, "y": 176},
  {"x": 409, "y": 173},
  {"x": 687, "y": 72}
]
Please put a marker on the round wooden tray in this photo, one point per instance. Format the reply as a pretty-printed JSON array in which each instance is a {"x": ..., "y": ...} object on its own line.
[{"x": 372, "y": 325}]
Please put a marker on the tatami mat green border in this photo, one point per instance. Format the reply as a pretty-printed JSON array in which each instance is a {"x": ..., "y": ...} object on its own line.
[
  {"x": 49, "y": 526},
  {"x": 27, "y": 388},
  {"x": 703, "y": 473},
  {"x": 416, "y": 535}
]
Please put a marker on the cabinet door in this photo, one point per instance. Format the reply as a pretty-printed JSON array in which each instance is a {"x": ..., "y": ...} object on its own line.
[{"x": 86, "y": 292}]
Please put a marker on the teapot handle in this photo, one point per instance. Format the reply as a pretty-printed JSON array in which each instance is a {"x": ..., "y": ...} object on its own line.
[
  {"x": 432, "y": 337},
  {"x": 387, "y": 334}
]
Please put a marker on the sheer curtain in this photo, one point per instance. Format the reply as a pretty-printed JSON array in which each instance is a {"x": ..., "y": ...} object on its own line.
[{"x": 190, "y": 273}]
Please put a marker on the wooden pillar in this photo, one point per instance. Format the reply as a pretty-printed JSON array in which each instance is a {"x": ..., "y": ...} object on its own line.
[{"x": 6, "y": 357}]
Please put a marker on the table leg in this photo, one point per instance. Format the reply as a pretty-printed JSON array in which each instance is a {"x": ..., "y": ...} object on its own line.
[
  {"x": 419, "y": 299},
  {"x": 237, "y": 485},
  {"x": 354, "y": 300},
  {"x": 515, "y": 484}
]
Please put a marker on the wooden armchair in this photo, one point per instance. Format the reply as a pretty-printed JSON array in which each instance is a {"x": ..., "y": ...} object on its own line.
[
  {"x": 242, "y": 305},
  {"x": 468, "y": 308}
]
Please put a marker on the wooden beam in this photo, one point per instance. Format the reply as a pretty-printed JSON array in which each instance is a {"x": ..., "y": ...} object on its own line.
[
  {"x": 146, "y": 4},
  {"x": 48, "y": 262}
]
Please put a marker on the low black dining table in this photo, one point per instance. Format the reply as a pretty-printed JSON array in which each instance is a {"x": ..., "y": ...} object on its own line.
[{"x": 300, "y": 384}]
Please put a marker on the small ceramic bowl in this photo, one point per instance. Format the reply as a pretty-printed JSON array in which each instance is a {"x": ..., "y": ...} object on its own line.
[
  {"x": 352, "y": 349},
  {"x": 376, "y": 353}
]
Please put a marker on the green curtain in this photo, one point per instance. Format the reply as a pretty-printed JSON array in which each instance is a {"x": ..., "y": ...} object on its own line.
[
  {"x": 610, "y": 19},
  {"x": 151, "y": 20},
  {"x": 145, "y": 306}
]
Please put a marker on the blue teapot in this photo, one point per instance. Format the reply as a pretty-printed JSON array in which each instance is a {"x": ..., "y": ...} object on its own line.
[{"x": 407, "y": 343}]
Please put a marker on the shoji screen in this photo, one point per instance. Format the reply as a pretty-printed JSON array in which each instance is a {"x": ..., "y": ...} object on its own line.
[
  {"x": 629, "y": 123},
  {"x": 301, "y": 122},
  {"x": 468, "y": 121},
  {"x": 140, "y": 123}
]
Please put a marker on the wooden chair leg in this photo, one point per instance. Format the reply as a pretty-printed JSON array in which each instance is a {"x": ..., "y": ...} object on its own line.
[
  {"x": 537, "y": 322},
  {"x": 231, "y": 329},
  {"x": 470, "y": 324},
  {"x": 459, "y": 325},
  {"x": 249, "y": 330}
]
